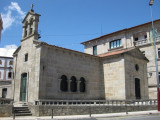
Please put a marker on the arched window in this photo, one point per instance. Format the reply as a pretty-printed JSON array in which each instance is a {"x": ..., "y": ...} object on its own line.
[
  {"x": 82, "y": 85},
  {"x": 9, "y": 75},
  {"x": 64, "y": 83},
  {"x": 31, "y": 26},
  {"x": 10, "y": 62},
  {"x": 0, "y": 62},
  {"x": 73, "y": 84}
]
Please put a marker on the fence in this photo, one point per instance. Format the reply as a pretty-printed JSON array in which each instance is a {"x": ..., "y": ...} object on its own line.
[
  {"x": 6, "y": 101},
  {"x": 96, "y": 102}
]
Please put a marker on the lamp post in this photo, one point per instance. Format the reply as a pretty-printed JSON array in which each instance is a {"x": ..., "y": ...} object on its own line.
[{"x": 155, "y": 51}]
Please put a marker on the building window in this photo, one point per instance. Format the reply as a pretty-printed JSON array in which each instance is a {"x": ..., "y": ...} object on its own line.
[
  {"x": 158, "y": 52},
  {"x": 159, "y": 77},
  {"x": 115, "y": 44},
  {"x": 136, "y": 39},
  {"x": 10, "y": 62},
  {"x": 95, "y": 50},
  {"x": 73, "y": 84},
  {"x": 136, "y": 67},
  {"x": 0, "y": 62},
  {"x": 82, "y": 85},
  {"x": 26, "y": 57},
  {"x": 4, "y": 92},
  {"x": 0, "y": 74},
  {"x": 64, "y": 83},
  {"x": 145, "y": 36},
  {"x": 9, "y": 75}
]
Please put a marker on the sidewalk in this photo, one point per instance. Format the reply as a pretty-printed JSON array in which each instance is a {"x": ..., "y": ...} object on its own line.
[{"x": 81, "y": 117}]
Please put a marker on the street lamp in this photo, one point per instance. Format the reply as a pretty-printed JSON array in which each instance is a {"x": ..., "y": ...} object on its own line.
[{"x": 155, "y": 51}]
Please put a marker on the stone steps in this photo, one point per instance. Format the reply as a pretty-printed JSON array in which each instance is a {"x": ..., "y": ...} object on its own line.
[{"x": 22, "y": 111}]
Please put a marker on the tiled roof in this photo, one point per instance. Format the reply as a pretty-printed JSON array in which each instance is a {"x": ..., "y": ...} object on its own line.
[{"x": 116, "y": 52}]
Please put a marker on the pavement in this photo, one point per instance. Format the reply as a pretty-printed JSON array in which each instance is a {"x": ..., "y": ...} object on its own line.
[{"x": 83, "y": 117}]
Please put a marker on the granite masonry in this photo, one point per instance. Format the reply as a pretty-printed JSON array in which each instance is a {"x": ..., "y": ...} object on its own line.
[{"x": 48, "y": 72}]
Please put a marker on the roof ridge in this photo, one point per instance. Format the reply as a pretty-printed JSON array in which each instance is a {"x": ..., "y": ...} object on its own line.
[{"x": 122, "y": 30}]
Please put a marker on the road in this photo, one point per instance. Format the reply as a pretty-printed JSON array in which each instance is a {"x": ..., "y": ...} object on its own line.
[
  {"x": 139, "y": 117},
  {"x": 136, "y": 117}
]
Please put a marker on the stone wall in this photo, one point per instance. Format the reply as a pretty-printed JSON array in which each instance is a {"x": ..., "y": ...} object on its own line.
[
  {"x": 31, "y": 67},
  {"x": 5, "y": 110},
  {"x": 131, "y": 74},
  {"x": 84, "y": 110},
  {"x": 127, "y": 38},
  {"x": 114, "y": 78},
  {"x": 56, "y": 61},
  {"x": 152, "y": 81}
]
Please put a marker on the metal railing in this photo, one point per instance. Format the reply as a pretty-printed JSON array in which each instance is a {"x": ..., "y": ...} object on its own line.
[
  {"x": 6, "y": 101},
  {"x": 96, "y": 102}
]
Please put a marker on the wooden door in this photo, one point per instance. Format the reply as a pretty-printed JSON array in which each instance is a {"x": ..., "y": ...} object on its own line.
[
  {"x": 23, "y": 87},
  {"x": 137, "y": 89}
]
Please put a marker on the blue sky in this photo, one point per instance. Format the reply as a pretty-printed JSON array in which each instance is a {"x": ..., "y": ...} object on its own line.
[{"x": 67, "y": 23}]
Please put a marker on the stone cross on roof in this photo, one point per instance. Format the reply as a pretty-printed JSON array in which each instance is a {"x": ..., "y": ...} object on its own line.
[{"x": 32, "y": 7}]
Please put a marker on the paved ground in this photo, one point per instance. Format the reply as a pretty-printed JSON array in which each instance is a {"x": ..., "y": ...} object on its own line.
[{"x": 140, "y": 115}]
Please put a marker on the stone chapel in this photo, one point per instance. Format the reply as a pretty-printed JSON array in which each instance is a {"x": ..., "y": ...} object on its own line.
[{"x": 48, "y": 72}]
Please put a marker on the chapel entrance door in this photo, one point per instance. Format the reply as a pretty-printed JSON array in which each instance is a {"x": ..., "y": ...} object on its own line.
[
  {"x": 23, "y": 87},
  {"x": 137, "y": 89}
]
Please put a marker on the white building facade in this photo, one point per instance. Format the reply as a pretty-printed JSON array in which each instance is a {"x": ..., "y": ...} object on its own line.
[{"x": 6, "y": 77}]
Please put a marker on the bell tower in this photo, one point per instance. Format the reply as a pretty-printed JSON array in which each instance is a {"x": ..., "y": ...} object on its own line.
[{"x": 30, "y": 25}]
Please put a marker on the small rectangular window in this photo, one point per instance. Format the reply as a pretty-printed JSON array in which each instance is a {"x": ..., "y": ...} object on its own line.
[
  {"x": 159, "y": 77},
  {"x": 145, "y": 36},
  {"x": 136, "y": 39},
  {"x": 26, "y": 57},
  {"x": 4, "y": 92},
  {"x": 115, "y": 43},
  {"x": 9, "y": 75},
  {"x": 0, "y": 74},
  {"x": 95, "y": 50},
  {"x": 159, "y": 53}
]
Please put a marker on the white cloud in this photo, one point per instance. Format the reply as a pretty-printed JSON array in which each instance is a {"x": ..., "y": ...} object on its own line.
[
  {"x": 8, "y": 17},
  {"x": 7, "y": 20},
  {"x": 15, "y": 6},
  {"x": 8, "y": 50}
]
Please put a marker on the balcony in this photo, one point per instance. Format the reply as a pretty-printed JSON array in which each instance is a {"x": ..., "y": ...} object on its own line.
[{"x": 145, "y": 41}]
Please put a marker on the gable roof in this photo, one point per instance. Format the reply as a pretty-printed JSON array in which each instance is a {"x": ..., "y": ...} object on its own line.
[
  {"x": 44, "y": 43},
  {"x": 16, "y": 50},
  {"x": 118, "y": 52},
  {"x": 32, "y": 13},
  {"x": 123, "y": 30}
]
